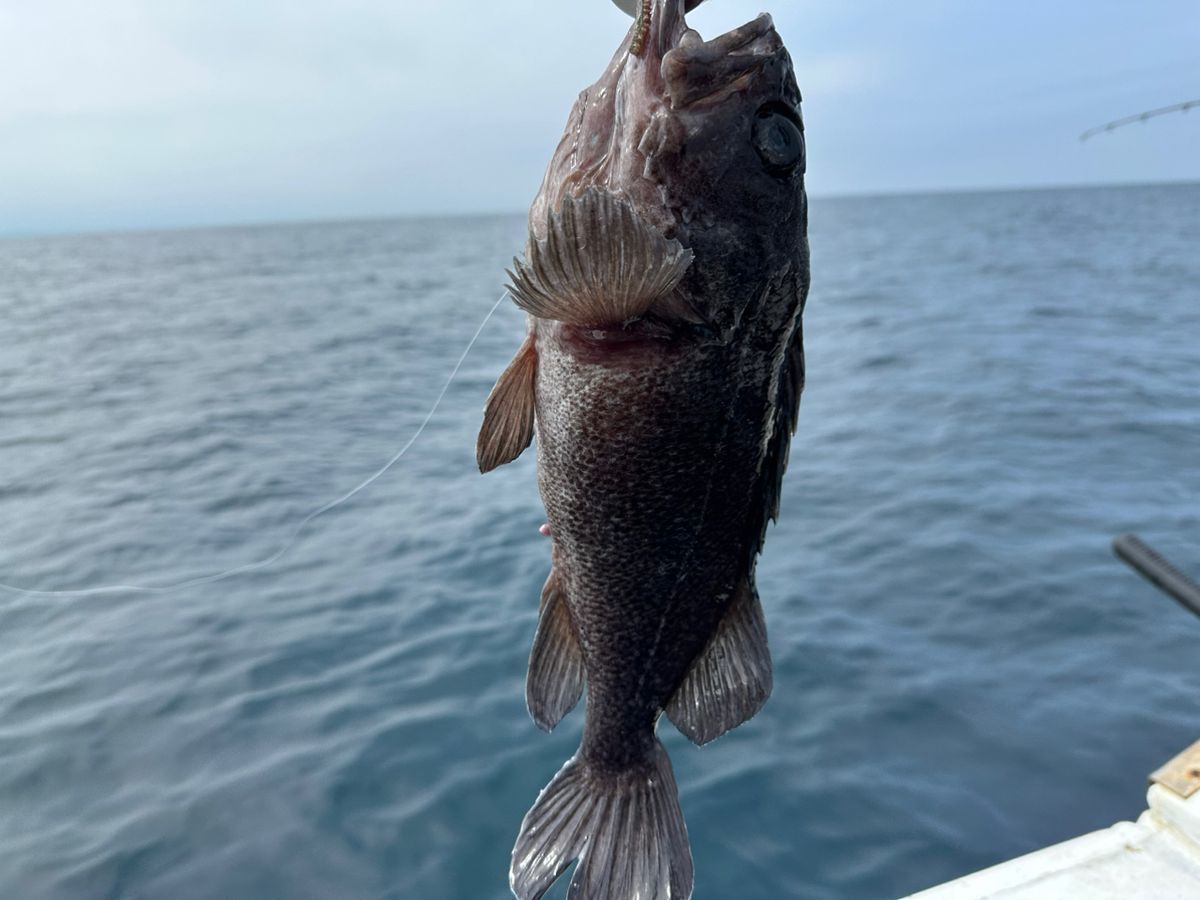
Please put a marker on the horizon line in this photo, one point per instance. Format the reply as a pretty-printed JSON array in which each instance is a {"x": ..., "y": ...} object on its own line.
[{"x": 869, "y": 194}]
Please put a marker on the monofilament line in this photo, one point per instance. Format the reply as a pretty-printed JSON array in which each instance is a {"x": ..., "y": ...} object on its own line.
[{"x": 300, "y": 526}]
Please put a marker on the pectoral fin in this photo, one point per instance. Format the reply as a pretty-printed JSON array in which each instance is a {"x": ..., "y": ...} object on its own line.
[
  {"x": 508, "y": 416},
  {"x": 556, "y": 672},
  {"x": 601, "y": 263},
  {"x": 731, "y": 679}
]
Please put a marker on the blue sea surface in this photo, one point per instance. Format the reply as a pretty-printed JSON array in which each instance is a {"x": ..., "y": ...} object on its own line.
[{"x": 998, "y": 384}]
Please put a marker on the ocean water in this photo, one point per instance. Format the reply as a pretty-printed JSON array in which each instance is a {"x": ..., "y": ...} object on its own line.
[{"x": 998, "y": 384}]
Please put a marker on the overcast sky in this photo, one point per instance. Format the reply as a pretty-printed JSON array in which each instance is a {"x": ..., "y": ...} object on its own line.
[{"x": 148, "y": 113}]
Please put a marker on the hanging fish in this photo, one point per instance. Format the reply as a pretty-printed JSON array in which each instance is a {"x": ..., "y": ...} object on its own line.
[{"x": 664, "y": 277}]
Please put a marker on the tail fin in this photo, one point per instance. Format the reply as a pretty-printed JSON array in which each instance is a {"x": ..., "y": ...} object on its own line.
[{"x": 626, "y": 830}]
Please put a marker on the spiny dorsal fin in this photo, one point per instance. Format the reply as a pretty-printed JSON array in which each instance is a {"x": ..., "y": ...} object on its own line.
[
  {"x": 601, "y": 263},
  {"x": 508, "y": 416},
  {"x": 730, "y": 681},
  {"x": 765, "y": 505},
  {"x": 556, "y": 672},
  {"x": 787, "y": 412}
]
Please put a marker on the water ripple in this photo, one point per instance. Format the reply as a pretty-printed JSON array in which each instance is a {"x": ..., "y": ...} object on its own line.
[{"x": 962, "y": 671}]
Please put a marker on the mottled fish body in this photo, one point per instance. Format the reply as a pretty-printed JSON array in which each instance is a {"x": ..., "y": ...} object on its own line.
[{"x": 665, "y": 279}]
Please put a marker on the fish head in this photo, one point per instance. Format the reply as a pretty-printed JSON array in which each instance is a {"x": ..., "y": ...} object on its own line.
[{"x": 704, "y": 140}]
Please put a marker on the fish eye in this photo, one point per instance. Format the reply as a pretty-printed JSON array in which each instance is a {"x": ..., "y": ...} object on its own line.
[{"x": 779, "y": 139}]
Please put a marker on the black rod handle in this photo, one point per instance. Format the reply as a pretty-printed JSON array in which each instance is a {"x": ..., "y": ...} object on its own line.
[{"x": 1160, "y": 573}]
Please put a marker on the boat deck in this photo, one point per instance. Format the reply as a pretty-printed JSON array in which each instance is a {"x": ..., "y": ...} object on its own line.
[{"x": 1155, "y": 858}]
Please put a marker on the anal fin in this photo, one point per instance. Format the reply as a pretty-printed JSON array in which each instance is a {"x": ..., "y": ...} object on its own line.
[
  {"x": 508, "y": 416},
  {"x": 556, "y": 672},
  {"x": 730, "y": 681}
]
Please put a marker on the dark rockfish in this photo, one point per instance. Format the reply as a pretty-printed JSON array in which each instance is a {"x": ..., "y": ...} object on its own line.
[{"x": 665, "y": 278}]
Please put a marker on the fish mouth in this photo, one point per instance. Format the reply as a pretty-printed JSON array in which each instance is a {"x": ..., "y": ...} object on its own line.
[
  {"x": 693, "y": 69},
  {"x": 628, "y": 132}
]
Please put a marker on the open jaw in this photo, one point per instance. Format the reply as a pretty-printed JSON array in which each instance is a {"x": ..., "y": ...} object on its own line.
[
  {"x": 626, "y": 131},
  {"x": 698, "y": 70},
  {"x": 690, "y": 68}
]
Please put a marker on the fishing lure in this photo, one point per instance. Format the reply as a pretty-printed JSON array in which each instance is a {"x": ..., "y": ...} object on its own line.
[
  {"x": 641, "y": 28},
  {"x": 641, "y": 11}
]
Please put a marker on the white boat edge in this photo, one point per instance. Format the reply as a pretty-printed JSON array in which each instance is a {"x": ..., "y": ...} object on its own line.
[{"x": 1155, "y": 858}]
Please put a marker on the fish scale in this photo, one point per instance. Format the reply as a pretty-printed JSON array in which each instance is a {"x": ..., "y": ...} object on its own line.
[{"x": 637, "y": 535}]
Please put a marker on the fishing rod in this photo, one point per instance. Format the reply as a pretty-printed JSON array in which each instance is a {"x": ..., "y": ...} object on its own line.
[
  {"x": 1148, "y": 563},
  {"x": 1140, "y": 117}
]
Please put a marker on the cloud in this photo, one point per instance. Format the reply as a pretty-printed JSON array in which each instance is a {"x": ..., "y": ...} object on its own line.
[{"x": 140, "y": 112}]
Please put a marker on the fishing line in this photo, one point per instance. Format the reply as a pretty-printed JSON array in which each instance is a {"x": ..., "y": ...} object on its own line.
[{"x": 299, "y": 527}]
